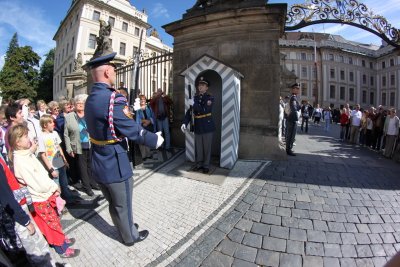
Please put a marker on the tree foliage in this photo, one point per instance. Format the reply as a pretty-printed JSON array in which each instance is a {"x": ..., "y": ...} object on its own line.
[
  {"x": 45, "y": 85},
  {"x": 19, "y": 76}
]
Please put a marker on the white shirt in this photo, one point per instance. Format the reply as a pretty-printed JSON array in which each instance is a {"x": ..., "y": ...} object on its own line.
[
  {"x": 392, "y": 126},
  {"x": 356, "y": 118}
]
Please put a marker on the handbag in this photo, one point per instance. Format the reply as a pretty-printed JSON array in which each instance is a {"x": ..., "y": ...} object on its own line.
[{"x": 9, "y": 239}]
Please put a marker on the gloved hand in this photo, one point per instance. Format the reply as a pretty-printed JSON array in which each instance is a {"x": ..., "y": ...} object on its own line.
[
  {"x": 136, "y": 104},
  {"x": 183, "y": 128},
  {"x": 160, "y": 139},
  {"x": 190, "y": 102}
]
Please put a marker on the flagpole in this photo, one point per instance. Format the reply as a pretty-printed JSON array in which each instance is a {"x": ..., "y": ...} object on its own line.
[{"x": 316, "y": 71}]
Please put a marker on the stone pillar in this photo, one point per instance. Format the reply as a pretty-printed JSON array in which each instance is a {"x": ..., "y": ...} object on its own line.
[
  {"x": 244, "y": 35},
  {"x": 74, "y": 79}
]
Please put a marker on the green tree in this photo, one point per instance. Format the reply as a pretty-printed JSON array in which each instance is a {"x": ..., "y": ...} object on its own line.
[
  {"x": 45, "y": 85},
  {"x": 19, "y": 76}
]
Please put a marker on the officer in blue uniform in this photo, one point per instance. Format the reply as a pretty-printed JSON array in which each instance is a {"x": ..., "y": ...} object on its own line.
[
  {"x": 204, "y": 126},
  {"x": 292, "y": 118},
  {"x": 109, "y": 121}
]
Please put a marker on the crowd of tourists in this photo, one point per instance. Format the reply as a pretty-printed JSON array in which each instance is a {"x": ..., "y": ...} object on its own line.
[{"x": 373, "y": 128}]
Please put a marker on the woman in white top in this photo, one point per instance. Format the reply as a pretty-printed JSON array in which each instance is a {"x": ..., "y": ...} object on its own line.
[{"x": 390, "y": 131}]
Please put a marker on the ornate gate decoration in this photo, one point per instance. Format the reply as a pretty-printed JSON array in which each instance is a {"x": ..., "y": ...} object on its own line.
[{"x": 349, "y": 12}]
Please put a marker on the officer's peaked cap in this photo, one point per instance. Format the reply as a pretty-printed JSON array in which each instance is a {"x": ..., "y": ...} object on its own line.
[
  {"x": 204, "y": 81},
  {"x": 295, "y": 85},
  {"x": 102, "y": 59}
]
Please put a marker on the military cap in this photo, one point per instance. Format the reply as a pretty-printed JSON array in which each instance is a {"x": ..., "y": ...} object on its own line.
[
  {"x": 295, "y": 85},
  {"x": 99, "y": 60},
  {"x": 204, "y": 81}
]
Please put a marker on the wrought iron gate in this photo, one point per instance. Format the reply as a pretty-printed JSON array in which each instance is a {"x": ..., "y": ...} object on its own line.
[{"x": 154, "y": 72}]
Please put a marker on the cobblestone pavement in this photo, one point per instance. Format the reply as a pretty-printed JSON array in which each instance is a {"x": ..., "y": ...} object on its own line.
[{"x": 333, "y": 204}]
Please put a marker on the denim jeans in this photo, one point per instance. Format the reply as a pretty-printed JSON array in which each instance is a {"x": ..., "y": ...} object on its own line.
[
  {"x": 163, "y": 126},
  {"x": 66, "y": 194}
]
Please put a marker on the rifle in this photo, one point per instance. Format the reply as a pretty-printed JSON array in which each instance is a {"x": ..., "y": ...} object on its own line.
[
  {"x": 134, "y": 148},
  {"x": 135, "y": 73},
  {"x": 191, "y": 109}
]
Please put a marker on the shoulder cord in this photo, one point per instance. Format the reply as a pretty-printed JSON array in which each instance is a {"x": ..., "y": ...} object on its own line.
[{"x": 111, "y": 117}]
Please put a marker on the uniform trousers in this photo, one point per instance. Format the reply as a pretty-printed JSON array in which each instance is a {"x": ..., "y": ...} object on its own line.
[
  {"x": 291, "y": 134},
  {"x": 119, "y": 197},
  {"x": 203, "y": 143}
]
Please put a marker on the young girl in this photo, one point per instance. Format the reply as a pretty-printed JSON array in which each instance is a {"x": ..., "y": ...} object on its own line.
[
  {"x": 30, "y": 172},
  {"x": 53, "y": 157}
]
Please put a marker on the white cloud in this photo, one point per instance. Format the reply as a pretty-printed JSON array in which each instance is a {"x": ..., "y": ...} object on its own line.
[
  {"x": 2, "y": 61},
  {"x": 159, "y": 10},
  {"x": 29, "y": 22}
]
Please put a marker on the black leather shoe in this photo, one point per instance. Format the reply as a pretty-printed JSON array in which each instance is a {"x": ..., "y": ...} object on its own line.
[
  {"x": 206, "y": 170},
  {"x": 142, "y": 236},
  {"x": 89, "y": 192},
  {"x": 290, "y": 153},
  {"x": 196, "y": 168}
]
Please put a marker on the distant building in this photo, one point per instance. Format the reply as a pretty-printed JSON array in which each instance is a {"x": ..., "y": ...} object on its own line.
[
  {"x": 345, "y": 72},
  {"x": 77, "y": 34}
]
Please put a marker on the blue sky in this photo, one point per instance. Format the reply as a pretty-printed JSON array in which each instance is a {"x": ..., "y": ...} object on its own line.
[{"x": 36, "y": 21}]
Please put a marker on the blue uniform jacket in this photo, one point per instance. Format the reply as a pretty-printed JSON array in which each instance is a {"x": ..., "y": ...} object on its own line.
[
  {"x": 294, "y": 107},
  {"x": 110, "y": 163},
  {"x": 203, "y": 121}
]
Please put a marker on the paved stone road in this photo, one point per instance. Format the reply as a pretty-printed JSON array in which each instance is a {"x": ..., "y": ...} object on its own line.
[{"x": 333, "y": 204}]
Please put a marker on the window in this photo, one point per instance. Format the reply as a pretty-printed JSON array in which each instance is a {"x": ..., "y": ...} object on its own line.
[
  {"x": 363, "y": 63},
  {"x": 303, "y": 89},
  {"x": 351, "y": 94},
  {"x": 372, "y": 80},
  {"x": 124, "y": 26},
  {"x": 96, "y": 15},
  {"x": 351, "y": 76},
  {"x": 333, "y": 73},
  {"x": 303, "y": 56},
  {"x": 392, "y": 80},
  {"x": 331, "y": 58},
  {"x": 371, "y": 65},
  {"x": 371, "y": 98},
  {"x": 364, "y": 79},
  {"x": 304, "y": 72},
  {"x": 92, "y": 41},
  {"x": 137, "y": 31},
  {"x": 364, "y": 96},
  {"x": 383, "y": 64},
  {"x": 342, "y": 92},
  {"x": 70, "y": 68},
  {"x": 62, "y": 57},
  {"x": 66, "y": 52},
  {"x": 111, "y": 21},
  {"x": 332, "y": 92},
  {"x": 341, "y": 59},
  {"x": 391, "y": 62},
  {"x": 350, "y": 60},
  {"x": 122, "y": 47},
  {"x": 383, "y": 100},
  {"x": 392, "y": 99},
  {"x": 72, "y": 43},
  {"x": 383, "y": 80},
  {"x": 135, "y": 50},
  {"x": 342, "y": 76}
]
